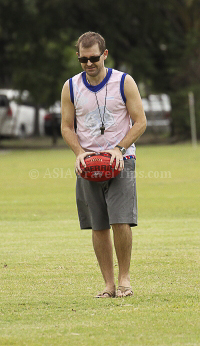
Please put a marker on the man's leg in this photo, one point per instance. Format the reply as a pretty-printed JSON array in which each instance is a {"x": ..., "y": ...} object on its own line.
[
  {"x": 123, "y": 247},
  {"x": 103, "y": 249}
]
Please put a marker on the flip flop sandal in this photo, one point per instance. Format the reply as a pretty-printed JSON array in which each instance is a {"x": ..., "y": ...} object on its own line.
[
  {"x": 123, "y": 289},
  {"x": 106, "y": 294}
]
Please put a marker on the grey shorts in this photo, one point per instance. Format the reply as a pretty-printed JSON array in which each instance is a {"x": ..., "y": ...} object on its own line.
[{"x": 101, "y": 204}]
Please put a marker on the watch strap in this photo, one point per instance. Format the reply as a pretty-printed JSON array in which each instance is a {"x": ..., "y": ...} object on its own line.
[
  {"x": 122, "y": 149},
  {"x": 119, "y": 146}
]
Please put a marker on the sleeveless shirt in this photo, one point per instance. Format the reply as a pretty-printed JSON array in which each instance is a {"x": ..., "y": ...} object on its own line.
[{"x": 116, "y": 118}]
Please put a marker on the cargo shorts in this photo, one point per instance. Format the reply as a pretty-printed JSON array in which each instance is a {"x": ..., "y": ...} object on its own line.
[{"x": 101, "y": 204}]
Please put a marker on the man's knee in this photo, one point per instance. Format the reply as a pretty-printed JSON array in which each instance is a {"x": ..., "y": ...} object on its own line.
[{"x": 121, "y": 227}]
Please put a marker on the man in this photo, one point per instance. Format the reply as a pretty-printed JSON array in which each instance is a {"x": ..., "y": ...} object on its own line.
[{"x": 105, "y": 103}]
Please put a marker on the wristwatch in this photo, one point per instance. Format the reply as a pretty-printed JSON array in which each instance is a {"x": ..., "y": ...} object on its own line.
[{"x": 122, "y": 149}]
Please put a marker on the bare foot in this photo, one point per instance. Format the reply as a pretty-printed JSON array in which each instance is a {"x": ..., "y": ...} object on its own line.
[
  {"x": 107, "y": 293},
  {"x": 124, "y": 291}
]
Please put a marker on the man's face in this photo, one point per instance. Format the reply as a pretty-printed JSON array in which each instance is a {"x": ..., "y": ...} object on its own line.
[{"x": 92, "y": 69}]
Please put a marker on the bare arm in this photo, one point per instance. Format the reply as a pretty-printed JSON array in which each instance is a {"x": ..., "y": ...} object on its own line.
[
  {"x": 67, "y": 127},
  {"x": 67, "y": 124},
  {"x": 136, "y": 111}
]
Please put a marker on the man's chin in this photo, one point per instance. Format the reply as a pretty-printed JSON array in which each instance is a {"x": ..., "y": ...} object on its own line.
[{"x": 93, "y": 72}]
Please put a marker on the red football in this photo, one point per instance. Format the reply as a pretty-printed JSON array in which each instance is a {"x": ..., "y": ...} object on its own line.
[{"x": 98, "y": 167}]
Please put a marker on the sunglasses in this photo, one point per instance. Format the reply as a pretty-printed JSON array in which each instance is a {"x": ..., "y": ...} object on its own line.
[{"x": 84, "y": 60}]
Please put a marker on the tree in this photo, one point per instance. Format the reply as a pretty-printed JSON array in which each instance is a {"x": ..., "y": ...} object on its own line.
[
  {"x": 157, "y": 42},
  {"x": 183, "y": 60},
  {"x": 36, "y": 52}
]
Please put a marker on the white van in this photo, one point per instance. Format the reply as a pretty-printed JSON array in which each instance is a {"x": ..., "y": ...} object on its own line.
[{"x": 17, "y": 119}]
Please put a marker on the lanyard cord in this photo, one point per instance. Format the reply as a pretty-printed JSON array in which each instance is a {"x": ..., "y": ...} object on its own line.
[{"x": 102, "y": 128}]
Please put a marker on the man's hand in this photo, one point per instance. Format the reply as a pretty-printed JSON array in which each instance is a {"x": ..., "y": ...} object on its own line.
[
  {"x": 116, "y": 154},
  {"x": 80, "y": 159}
]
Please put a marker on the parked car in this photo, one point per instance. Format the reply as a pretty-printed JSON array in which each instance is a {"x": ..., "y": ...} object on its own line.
[
  {"x": 158, "y": 112},
  {"x": 52, "y": 120},
  {"x": 6, "y": 119},
  {"x": 157, "y": 109},
  {"x": 16, "y": 116}
]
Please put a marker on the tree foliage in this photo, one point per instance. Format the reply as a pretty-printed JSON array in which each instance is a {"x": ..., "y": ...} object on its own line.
[{"x": 157, "y": 42}]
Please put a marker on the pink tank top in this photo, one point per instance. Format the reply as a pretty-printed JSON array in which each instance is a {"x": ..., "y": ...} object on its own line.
[{"x": 117, "y": 121}]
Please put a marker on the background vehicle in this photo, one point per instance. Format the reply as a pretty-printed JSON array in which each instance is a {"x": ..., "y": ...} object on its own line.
[
  {"x": 6, "y": 119},
  {"x": 157, "y": 109},
  {"x": 52, "y": 120},
  {"x": 158, "y": 112},
  {"x": 16, "y": 116}
]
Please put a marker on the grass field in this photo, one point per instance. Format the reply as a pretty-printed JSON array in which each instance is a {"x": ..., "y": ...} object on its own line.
[{"x": 49, "y": 273}]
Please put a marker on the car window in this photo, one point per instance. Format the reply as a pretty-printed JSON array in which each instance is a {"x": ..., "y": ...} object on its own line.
[{"x": 3, "y": 101}]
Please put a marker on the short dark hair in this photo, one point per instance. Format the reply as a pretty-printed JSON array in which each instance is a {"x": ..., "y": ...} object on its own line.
[{"x": 88, "y": 39}]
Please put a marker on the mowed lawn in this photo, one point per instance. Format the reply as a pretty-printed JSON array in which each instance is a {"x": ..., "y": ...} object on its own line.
[{"x": 48, "y": 271}]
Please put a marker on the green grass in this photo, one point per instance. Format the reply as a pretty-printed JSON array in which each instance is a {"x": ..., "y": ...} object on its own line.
[{"x": 48, "y": 270}]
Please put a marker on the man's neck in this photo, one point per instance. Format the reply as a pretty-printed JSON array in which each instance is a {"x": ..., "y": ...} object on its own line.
[{"x": 98, "y": 79}]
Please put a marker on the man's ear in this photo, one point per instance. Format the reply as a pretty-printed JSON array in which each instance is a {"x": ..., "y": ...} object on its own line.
[
  {"x": 77, "y": 53},
  {"x": 105, "y": 54}
]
